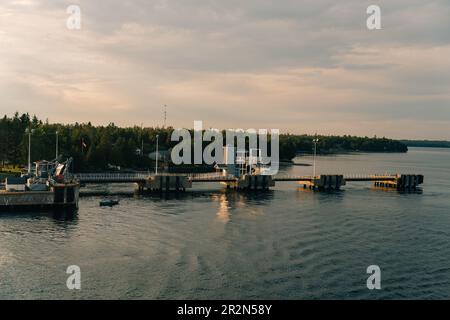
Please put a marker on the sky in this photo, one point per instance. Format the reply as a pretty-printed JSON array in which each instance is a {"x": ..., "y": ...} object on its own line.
[{"x": 301, "y": 66}]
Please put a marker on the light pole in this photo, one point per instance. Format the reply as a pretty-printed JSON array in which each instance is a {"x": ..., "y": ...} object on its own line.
[
  {"x": 157, "y": 154},
  {"x": 142, "y": 140},
  {"x": 315, "y": 152},
  {"x": 29, "y": 132},
  {"x": 56, "y": 144}
]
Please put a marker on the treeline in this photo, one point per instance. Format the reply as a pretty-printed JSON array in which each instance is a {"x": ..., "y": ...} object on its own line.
[
  {"x": 92, "y": 147},
  {"x": 427, "y": 143},
  {"x": 98, "y": 147},
  {"x": 291, "y": 145}
]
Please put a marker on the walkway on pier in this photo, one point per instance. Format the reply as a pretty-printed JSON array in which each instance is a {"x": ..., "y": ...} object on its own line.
[
  {"x": 98, "y": 178},
  {"x": 176, "y": 181},
  {"x": 139, "y": 177},
  {"x": 348, "y": 178}
]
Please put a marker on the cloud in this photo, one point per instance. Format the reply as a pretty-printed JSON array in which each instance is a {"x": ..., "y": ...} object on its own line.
[{"x": 301, "y": 66}]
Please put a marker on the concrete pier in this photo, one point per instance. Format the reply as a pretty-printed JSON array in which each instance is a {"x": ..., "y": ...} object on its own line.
[
  {"x": 252, "y": 182},
  {"x": 324, "y": 182},
  {"x": 165, "y": 183},
  {"x": 402, "y": 182},
  {"x": 330, "y": 182},
  {"x": 59, "y": 196}
]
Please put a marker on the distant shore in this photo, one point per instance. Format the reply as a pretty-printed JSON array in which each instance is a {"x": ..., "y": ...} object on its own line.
[
  {"x": 99, "y": 148},
  {"x": 427, "y": 143}
]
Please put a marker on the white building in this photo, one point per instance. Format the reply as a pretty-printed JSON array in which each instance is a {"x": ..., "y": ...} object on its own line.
[{"x": 15, "y": 184}]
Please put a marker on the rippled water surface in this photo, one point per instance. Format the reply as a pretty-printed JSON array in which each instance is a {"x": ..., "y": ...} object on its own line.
[{"x": 210, "y": 243}]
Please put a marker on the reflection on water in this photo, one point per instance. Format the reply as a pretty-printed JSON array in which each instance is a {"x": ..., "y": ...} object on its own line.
[
  {"x": 230, "y": 200},
  {"x": 59, "y": 216},
  {"x": 224, "y": 210},
  {"x": 210, "y": 242},
  {"x": 66, "y": 216}
]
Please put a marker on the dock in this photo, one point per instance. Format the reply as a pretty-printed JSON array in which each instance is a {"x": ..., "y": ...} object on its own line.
[{"x": 180, "y": 182}]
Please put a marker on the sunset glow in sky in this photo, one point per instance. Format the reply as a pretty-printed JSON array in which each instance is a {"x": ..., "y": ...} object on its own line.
[{"x": 302, "y": 66}]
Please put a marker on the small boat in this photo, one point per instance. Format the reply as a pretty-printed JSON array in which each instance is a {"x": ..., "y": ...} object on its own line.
[{"x": 109, "y": 203}]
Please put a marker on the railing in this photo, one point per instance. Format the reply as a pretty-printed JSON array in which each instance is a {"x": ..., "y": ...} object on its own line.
[
  {"x": 370, "y": 177},
  {"x": 207, "y": 177},
  {"x": 211, "y": 177},
  {"x": 111, "y": 177},
  {"x": 293, "y": 178},
  {"x": 140, "y": 177},
  {"x": 347, "y": 177}
]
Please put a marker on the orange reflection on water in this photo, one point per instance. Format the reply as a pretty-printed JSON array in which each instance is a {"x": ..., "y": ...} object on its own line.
[{"x": 223, "y": 214}]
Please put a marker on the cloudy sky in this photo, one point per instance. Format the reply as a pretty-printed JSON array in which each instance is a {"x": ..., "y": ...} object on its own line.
[{"x": 298, "y": 65}]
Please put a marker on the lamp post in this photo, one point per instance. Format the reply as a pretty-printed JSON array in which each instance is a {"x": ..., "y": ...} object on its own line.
[
  {"x": 29, "y": 132},
  {"x": 315, "y": 141},
  {"x": 56, "y": 144},
  {"x": 142, "y": 140},
  {"x": 157, "y": 154}
]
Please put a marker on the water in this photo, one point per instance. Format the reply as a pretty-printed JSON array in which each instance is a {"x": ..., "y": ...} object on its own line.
[{"x": 287, "y": 243}]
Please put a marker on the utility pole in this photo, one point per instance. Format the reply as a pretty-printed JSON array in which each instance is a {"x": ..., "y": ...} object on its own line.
[
  {"x": 157, "y": 155},
  {"x": 57, "y": 144},
  {"x": 142, "y": 140},
  {"x": 29, "y": 132},
  {"x": 315, "y": 141}
]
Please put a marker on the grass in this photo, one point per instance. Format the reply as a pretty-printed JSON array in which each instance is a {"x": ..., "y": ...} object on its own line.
[{"x": 10, "y": 169}]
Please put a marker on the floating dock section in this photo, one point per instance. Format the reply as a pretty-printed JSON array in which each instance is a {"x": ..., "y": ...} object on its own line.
[{"x": 401, "y": 182}]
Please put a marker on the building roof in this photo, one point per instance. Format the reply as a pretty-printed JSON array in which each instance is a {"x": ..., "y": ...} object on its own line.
[
  {"x": 163, "y": 154},
  {"x": 15, "y": 180}
]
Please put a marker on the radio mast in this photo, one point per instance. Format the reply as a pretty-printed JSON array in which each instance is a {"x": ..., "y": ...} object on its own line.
[{"x": 165, "y": 115}]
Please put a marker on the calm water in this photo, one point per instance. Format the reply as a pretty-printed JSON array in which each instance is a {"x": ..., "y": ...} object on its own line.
[{"x": 288, "y": 243}]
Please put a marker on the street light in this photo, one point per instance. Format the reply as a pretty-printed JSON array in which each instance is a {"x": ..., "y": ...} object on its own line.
[
  {"x": 142, "y": 140},
  {"x": 157, "y": 154},
  {"x": 56, "y": 144},
  {"x": 29, "y": 132},
  {"x": 315, "y": 141}
]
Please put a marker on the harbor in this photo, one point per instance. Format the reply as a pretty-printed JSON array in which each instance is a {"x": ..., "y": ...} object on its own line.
[
  {"x": 188, "y": 244},
  {"x": 245, "y": 170},
  {"x": 51, "y": 185}
]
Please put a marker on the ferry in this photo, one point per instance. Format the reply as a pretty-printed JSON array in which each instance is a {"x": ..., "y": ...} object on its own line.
[{"x": 49, "y": 185}]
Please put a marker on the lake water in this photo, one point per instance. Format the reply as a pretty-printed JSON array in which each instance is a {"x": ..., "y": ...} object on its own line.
[{"x": 209, "y": 243}]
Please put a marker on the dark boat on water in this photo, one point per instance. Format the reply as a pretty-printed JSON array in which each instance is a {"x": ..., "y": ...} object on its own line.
[{"x": 109, "y": 203}]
